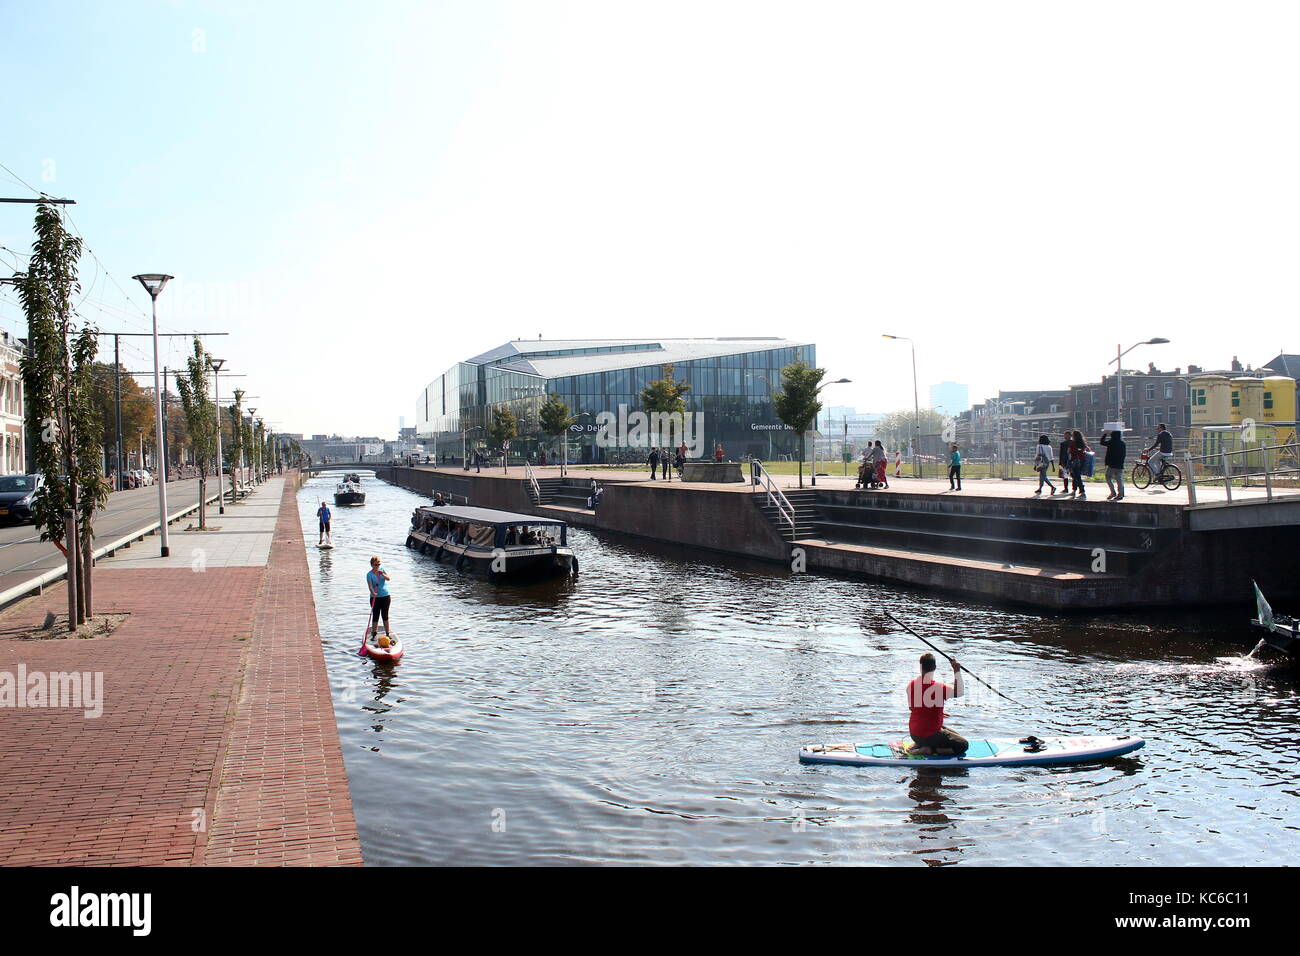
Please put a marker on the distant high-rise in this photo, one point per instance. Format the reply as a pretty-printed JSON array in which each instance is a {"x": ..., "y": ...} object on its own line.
[{"x": 950, "y": 398}]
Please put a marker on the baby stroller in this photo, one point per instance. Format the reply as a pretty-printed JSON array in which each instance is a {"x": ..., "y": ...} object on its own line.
[{"x": 871, "y": 474}]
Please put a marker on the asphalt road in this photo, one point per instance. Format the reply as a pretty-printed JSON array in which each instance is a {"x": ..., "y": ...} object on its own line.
[{"x": 24, "y": 555}]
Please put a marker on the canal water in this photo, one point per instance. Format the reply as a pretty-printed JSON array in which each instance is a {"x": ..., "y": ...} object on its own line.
[{"x": 651, "y": 711}]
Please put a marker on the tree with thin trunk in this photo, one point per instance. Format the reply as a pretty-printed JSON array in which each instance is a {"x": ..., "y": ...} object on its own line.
[
  {"x": 503, "y": 428},
  {"x": 58, "y": 384},
  {"x": 236, "y": 446},
  {"x": 200, "y": 419},
  {"x": 555, "y": 420},
  {"x": 798, "y": 402},
  {"x": 666, "y": 396}
]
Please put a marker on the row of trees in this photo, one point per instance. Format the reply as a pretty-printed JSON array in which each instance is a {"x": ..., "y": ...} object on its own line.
[
  {"x": 70, "y": 406},
  {"x": 796, "y": 403}
]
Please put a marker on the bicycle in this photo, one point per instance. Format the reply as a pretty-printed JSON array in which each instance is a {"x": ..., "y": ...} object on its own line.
[{"x": 1170, "y": 476}]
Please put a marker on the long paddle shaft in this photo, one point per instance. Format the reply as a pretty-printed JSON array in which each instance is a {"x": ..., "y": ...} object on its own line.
[{"x": 949, "y": 658}]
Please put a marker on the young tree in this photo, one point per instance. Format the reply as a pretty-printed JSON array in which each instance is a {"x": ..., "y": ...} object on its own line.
[
  {"x": 798, "y": 402},
  {"x": 200, "y": 420},
  {"x": 58, "y": 384},
  {"x": 555, "y": 420},
  {"x": 901, "y": 428},
  {"x": 235, "y": 447},
  {"x": 503, "y": 428},
  {"x": 665, "y": 395}
]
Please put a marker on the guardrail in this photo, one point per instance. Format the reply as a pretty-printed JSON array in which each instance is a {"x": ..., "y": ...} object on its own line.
[
  {"x": 53, "y": 575},
  {"x": 775, "y": 496},
  {"x": 1266, "y": 462},
  {"x": 532, "y": 481}
]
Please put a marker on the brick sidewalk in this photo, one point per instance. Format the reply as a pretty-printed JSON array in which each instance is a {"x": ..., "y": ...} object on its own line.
[{"x": 203, "y": 733}]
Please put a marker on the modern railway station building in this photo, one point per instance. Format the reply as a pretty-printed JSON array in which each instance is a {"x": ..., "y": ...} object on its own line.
[{"x": 730, "y": 399}]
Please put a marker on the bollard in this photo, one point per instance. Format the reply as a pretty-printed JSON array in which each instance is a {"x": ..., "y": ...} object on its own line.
[
  {"x": 1227, "y": 474},
  {"x": 1191, "y": 478}
]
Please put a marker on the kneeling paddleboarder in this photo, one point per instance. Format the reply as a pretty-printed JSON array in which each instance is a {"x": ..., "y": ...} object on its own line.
[{"x": 926, "y": 696}]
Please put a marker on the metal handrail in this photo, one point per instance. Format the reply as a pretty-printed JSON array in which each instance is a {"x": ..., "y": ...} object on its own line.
[
  {"x": 774, "y": 494},
  {"x": 1227, "y": 477},
  {"x": 532, "y": 480}
]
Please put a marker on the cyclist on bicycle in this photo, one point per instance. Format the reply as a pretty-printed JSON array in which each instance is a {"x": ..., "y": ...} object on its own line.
[{"x": 1164, "y": 447}]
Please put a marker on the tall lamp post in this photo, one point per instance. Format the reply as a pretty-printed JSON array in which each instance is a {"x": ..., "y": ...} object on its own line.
[
  {"x": 916, "y": 408},
  {"x": 153, "y": 283},
  {"x": 838, "y": 381},
  {"x": 1119, "y": 374},
  {"x": 252, "y": 456},
  {"x": 215, "y": 364}
]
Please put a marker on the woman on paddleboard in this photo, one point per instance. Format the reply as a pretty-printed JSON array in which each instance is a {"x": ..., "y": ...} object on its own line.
[{"x": 377, "y": 581}]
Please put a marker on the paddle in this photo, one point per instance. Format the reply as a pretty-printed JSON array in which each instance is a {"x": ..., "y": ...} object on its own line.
[
  {"x": 366, "y": 631},
  {"x": 949, "y": 657}
]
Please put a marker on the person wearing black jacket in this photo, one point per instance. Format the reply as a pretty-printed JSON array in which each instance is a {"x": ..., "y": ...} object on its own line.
[
  {"x": 653, "y": 460},
  {"x": 1115, "y": 451}
]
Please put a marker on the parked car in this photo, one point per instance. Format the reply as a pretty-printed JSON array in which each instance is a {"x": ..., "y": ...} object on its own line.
[{"x": 16, "y": 493}]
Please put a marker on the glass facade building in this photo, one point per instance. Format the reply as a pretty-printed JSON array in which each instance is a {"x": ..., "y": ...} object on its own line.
[{"x": 731, "y": 380}]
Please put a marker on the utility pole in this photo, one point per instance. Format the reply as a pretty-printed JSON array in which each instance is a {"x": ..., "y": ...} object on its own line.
[{"x": 117, "y": 407}]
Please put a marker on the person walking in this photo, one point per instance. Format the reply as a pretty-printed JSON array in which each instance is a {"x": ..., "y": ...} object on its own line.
[
  {"x": 653, "y": 459},
  {"x": 1078, "y": 457},
  {"x": 1043, "y": 463},
  {"x": 377, "y": 582},
  {"x": 1115, "y": 451},
  {"x": 666, "y": 462},
  {"x": 954, "y": 469},
  {"x": 880, "y": 464}
]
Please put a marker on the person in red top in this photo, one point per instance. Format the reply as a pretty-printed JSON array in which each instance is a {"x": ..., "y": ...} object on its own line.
[{"x": 926, "y": 697}]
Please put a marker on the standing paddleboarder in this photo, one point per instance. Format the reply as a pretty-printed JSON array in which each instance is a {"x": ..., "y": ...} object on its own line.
[
  {"x": 926, "y": 696},
  {"x": 377, "y": 581},
  {"x": 323, "y": 513}
]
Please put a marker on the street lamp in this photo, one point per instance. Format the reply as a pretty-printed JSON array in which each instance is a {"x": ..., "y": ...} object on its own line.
[
  {"x": 916, "y": 409},
  {"x": 215, "y": 364},
  {"x": 153, "y": 283},
  {"x": 252, "y": 459},
  {"x": 1119, "y": 374},
  {"x": 838, "y": 381}
]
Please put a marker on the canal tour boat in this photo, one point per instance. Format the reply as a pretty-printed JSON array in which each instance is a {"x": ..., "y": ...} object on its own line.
[
  {"x": 349, "y": 493},
  {"x": 499, "y": 544},
  {"x": 1280, "y": 632}
]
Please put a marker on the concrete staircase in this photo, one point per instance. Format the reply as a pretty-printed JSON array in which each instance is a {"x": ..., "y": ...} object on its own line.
[
  {"x": 806, "y": 515},
  {"x": 1054, "y": 535},
  {"x": 564, "y": 492}
]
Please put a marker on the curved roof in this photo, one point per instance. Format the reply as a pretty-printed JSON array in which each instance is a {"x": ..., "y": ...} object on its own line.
[{"x": 487, "y": 515}]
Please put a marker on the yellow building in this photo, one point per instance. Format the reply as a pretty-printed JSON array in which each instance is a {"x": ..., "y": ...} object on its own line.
[{"x": 1228, "y": 410}]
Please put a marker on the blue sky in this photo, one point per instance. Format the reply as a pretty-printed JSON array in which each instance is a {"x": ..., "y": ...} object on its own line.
[{"x": 361, "y": 195}]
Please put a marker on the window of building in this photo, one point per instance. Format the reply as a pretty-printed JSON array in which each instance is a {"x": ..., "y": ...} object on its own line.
[
  {"x": 1151, "y": 391},
  {"x": 1146, "y": 418},
  {"x": 1169, "y": 389},
  {"x": 1268, "y": 400},
  {"x": 1236, "y": 399},
  {"x": 1094, "y": 396}
]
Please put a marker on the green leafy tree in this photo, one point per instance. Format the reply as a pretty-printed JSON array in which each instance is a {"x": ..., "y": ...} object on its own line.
[
  {"x": 898, "y": 429},
  {"x": 235, "y": 447},
  {"x": 59, "y": 392},
  {"x": 665, "y": 395},
  {"x": 200, "y": 420},
  {"x": 555, "y": 418},
  {"x": 798, "y": 401},
  {"x": 504, "y": 427}
]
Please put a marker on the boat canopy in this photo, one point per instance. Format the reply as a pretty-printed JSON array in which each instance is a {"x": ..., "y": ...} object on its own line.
[{"x": 487, "y": 516}]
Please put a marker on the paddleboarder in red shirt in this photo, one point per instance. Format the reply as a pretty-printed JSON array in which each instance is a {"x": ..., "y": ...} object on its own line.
[{"x": 926, "y": 697}]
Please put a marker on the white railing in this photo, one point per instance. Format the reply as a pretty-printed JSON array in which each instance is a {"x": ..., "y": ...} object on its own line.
[
  {"x": 775, "y": 496},
  {"x": 532, "y": 481},
  {"x": 1266, "y": 462}
]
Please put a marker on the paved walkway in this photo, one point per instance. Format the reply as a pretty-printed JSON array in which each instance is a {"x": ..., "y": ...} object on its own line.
[
  {"x": 216, "y": 741},
  {"x": 978, "y": 487}
]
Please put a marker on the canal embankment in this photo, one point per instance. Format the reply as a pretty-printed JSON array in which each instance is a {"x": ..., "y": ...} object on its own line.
[
  {"x": 997, "y": 543},
  {"x": 213, "y": 740}
]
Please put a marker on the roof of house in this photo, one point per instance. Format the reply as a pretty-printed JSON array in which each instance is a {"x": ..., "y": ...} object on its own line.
[{"x": 520, "y": 356}]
